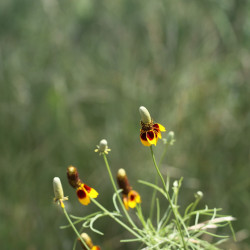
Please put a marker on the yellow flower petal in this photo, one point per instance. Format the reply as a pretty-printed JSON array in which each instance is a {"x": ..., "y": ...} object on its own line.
[
  {"x": 159, "y": 134},
  {"x": 133, "y": 198},
  {"x": 145, "y": 143},
  {"x": 162, "y": 128},
  {"x": 143, "y": 138},
  {"x": 95, "y": 248},
  {"x": 91, "y": 191},
  {"x": 125, "y": 201},
  {"x": 151, "y": 137},
  {"x": 82, "y": 195}
]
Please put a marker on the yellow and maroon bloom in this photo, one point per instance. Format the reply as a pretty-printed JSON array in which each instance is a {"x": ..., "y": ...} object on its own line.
[
  {"x": 83, "y": 191},
  {"x": 129, "y": 196},
  {"x": 150, "y": 132}
]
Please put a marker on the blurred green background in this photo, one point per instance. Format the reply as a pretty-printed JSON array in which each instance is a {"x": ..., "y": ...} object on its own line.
[{"x": 74, "y": 72}]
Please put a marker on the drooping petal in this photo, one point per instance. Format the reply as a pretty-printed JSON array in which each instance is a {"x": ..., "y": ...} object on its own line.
[
  {"x": 143, "y": 137},
  {"x": 91, "y": 191},
  {"x": 152, "y": 137},
  {"x": 125, "y": 201},
  {"x": 83, "y": 195},
  {"x": 161, "y": 128},
  {"x": 158, "y": 128},
  {"x": 157, "y": 132},
  {"x": 133, "y": 198}
]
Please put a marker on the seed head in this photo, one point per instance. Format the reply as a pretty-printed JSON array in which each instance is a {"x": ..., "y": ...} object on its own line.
[
  {"x": 123, "y": 182},
  {"x": 145, "y": 116},
  {"x": 73, "y": 177},
  {"x": 58, "y": 191}
]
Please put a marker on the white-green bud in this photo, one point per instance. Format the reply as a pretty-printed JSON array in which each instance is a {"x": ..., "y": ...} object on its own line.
[
  {"x": 198, "y": 195},
  {"x": 145, "y": 116},
  {"x": 103, "y": 145},
  {"x": 175, "y": 184},
  {"x": 58, "y": 190},
  {"x": 170, "y": 138},
  {"x": 102, "y": 148}
]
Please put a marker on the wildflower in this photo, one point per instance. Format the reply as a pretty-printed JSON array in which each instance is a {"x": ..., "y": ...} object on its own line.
[
  {"x": 88, "y": 242},
  {"x": 150, "y": 131},
  {"x": 130, "y": 197},
  {"x": 58, "y": 191},
  {"x": 102, "y": 148},
  {"x": 83, "y": 192}
]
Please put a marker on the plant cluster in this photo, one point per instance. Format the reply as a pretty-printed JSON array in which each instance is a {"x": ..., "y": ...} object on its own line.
[{"x": 168, "y": 229}]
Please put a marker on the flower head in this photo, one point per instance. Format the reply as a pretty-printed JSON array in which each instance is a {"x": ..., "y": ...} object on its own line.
[
  {"x": 58, "y": 191},
  {"x": 150, "y": 131},
  {"x": 130, "y": 197},
  {"x": 88, "y": 242},
  {"x": 83, "y": 192},
  {"x": 102, "y": 148},
  {"x": 73, "y": 177}
]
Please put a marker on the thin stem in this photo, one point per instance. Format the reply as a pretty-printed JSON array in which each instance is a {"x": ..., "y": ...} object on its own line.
[
  {"x": 192, "y": 209},
  {"x": 114, "y": 218},
  {"x": 72, "y": 225},
  {"x": 169, "y": 199},
  {"x": 157, "y": 169},
  {"x": 140, "y": 215},
  {"x": 152, "y": 206},
  {"x": 118, "y": 196},
  {"x": 156, "y": 183},
  {"x": 163, "y": 154}
]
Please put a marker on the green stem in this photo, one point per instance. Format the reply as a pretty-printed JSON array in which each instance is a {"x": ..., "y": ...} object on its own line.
[
  {"x": 169, "y": 199},
  {"x": 156, "y": 183},
  {"x": 118, "y": 196},
  {"x": 114, "y": 218},
  {"x": 192, "y": 209},
  {"x": 140, "y": 215},
  {"x": 152, "y": 206},
  {"x": 72, "y": 225}
]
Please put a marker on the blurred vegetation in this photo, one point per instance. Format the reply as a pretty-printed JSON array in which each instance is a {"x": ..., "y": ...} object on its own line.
[{"x": 73, "y": 72}]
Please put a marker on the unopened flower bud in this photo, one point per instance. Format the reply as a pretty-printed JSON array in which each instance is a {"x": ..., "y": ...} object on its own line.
[
  {"x": 170, "y": 138},
  {"x": 102, "y": 148},
  {"x": 175, "y": 184},
  {"x": 198, "y": 195},
  {"x": 73, "y": 177},
  {"x": 122, "y": 181},
  {"x": 103, "y": 145},
  {"x": 88, "y": 242},
  {"x": 145, "y": 116}
]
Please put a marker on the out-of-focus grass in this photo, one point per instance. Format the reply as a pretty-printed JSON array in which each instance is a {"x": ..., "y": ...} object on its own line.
[{"x": 74, "y": 72}]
